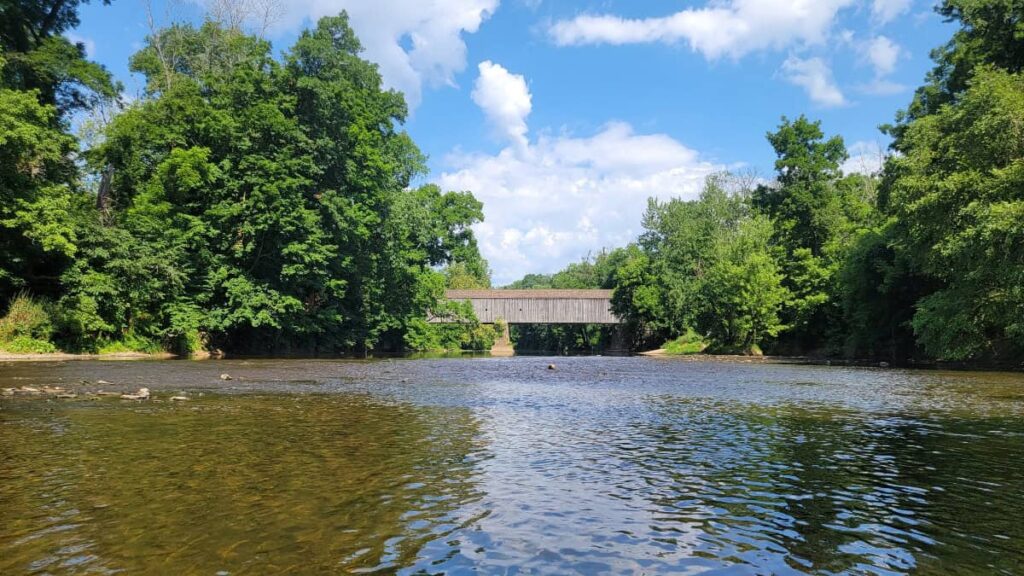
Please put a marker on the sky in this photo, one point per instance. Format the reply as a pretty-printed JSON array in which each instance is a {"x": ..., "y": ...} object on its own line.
[{"x": 564, "y": 117}]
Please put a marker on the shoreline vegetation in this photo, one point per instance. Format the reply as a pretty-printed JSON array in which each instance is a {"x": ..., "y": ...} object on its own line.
[{"x": 263, "y": 202}]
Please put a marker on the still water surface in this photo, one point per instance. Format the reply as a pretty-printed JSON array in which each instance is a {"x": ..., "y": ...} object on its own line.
[{"x": 499, "y": 466}]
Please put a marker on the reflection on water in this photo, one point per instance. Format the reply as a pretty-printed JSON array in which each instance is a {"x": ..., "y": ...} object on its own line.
[{"x": 607, "y": 465}]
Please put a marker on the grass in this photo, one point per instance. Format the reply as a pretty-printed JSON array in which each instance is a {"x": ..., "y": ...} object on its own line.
[
  {"x": 129, "y": 343},
  {"x": 26, "y": 327},
  {"x": 689, "y": 343},
  {"x": 27, "y": 345}
]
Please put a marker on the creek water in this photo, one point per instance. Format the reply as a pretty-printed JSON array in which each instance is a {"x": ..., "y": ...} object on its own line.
[{"x": 501, "y": 466}]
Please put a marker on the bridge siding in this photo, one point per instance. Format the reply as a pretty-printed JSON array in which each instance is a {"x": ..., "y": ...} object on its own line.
[{"x": 548, "y": 308}]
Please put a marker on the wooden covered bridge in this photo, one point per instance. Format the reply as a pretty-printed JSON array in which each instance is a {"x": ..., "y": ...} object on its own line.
[{"x": 543, "y": 306}]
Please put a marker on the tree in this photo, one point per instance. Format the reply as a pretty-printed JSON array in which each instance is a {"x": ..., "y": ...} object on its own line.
[
  {"x": 956, "y": 195},
  {"x": 280, "y": 191},
  {"x": 36, "y": 172},
  {"x": 742, "y": 293},
  {"x": 816, "y": 212},
  {"x": 41, "y": 59},
  {"x": 953, "y": 192}
]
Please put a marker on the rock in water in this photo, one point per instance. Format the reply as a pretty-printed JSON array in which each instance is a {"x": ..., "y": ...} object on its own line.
[
  {"x": 8, "y": 392},
  {"x": 178, "y": 398},
  {"x": 67, "y": 395},
  {"x": 551, "y": 366},
  {"x": 225, "y": 377},
  {"x": 142, "y": 394}
]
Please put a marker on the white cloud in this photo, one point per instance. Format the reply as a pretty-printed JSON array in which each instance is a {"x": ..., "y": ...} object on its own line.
[
  {"x": 88, "y": 43},
  {"x": 553, "y": 200},
  {"x": 415, "y": 42},
  {"x": 815, "y": 77},
  {"x": 883, "y": 54},
  {"x": 884, "y": 11},
  {"x": 865, "y": 158},
  {"x": 731, "y": 28},
  {"x": 882, "y": 87},
  {"x": 505, "y": 100}
]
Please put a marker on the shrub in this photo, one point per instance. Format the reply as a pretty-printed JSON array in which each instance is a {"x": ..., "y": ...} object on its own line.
[
  {"x": 689, "y": 343},
  {"x": 27, "y": 326},
  {"x": 26, "y": 317},
  {"x": 27, "y": 345},
  {"x": 129, "y": 343}
]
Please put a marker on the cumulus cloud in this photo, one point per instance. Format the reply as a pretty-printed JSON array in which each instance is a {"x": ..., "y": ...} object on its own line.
[
  {"x": 815, "y": 77},
  {"x": 505, "y": 100},
  {"x": 866, "y": 157},
  {"x": 416, "y": 43},
  {"x": 883, "y": 54},
  {"x": 885, "y": 11},
  {"x": 552, "y": 200},
  {"x": 732, "y": 28}
]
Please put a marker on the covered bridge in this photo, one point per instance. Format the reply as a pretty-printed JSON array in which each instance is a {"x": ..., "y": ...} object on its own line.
[{"x": 538, "y": 306}]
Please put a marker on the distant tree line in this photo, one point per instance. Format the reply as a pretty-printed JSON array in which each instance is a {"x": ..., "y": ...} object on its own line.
[
  {"x": 243, "y": 202},
  {"x": 922, "y": 261}
]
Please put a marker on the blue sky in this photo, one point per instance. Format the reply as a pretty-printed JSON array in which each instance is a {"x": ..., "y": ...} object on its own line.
[{"x": 564, "y": 117}]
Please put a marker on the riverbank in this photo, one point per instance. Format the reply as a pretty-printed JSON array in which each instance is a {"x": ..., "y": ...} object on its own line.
[{"x": 61, "y": 356}]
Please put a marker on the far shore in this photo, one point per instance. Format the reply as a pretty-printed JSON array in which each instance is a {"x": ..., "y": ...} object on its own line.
[{"x": 9, "y": 356}]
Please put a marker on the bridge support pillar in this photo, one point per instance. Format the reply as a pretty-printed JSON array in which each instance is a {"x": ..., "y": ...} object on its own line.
[
  {"x": 503, "y": 345},
  {"x": 619, "y": 344}
]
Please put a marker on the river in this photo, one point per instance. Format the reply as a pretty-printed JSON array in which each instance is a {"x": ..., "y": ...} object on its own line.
[{"x": 502, "y": 466}]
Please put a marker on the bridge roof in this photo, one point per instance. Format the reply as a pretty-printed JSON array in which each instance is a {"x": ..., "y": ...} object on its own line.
[{"x": 530, "y": 294}]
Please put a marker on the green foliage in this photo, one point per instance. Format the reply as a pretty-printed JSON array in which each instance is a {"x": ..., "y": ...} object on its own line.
[
  {"x": 742, "y": 293},
  {"x": 816, "y": 212},
  {"x": 703, "y": 267},
  {"x": 127, "y": 344},
  {"x": 26, "y": 327},
  {"x": 462, "y": 331},
  {"x": 27, "y": 345},
  {"x": 36, "y": 238},
  {"x": 688, "y": 343},
  {"x": 26, "y": 317},
  {"x": 956, "y": 196}
]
